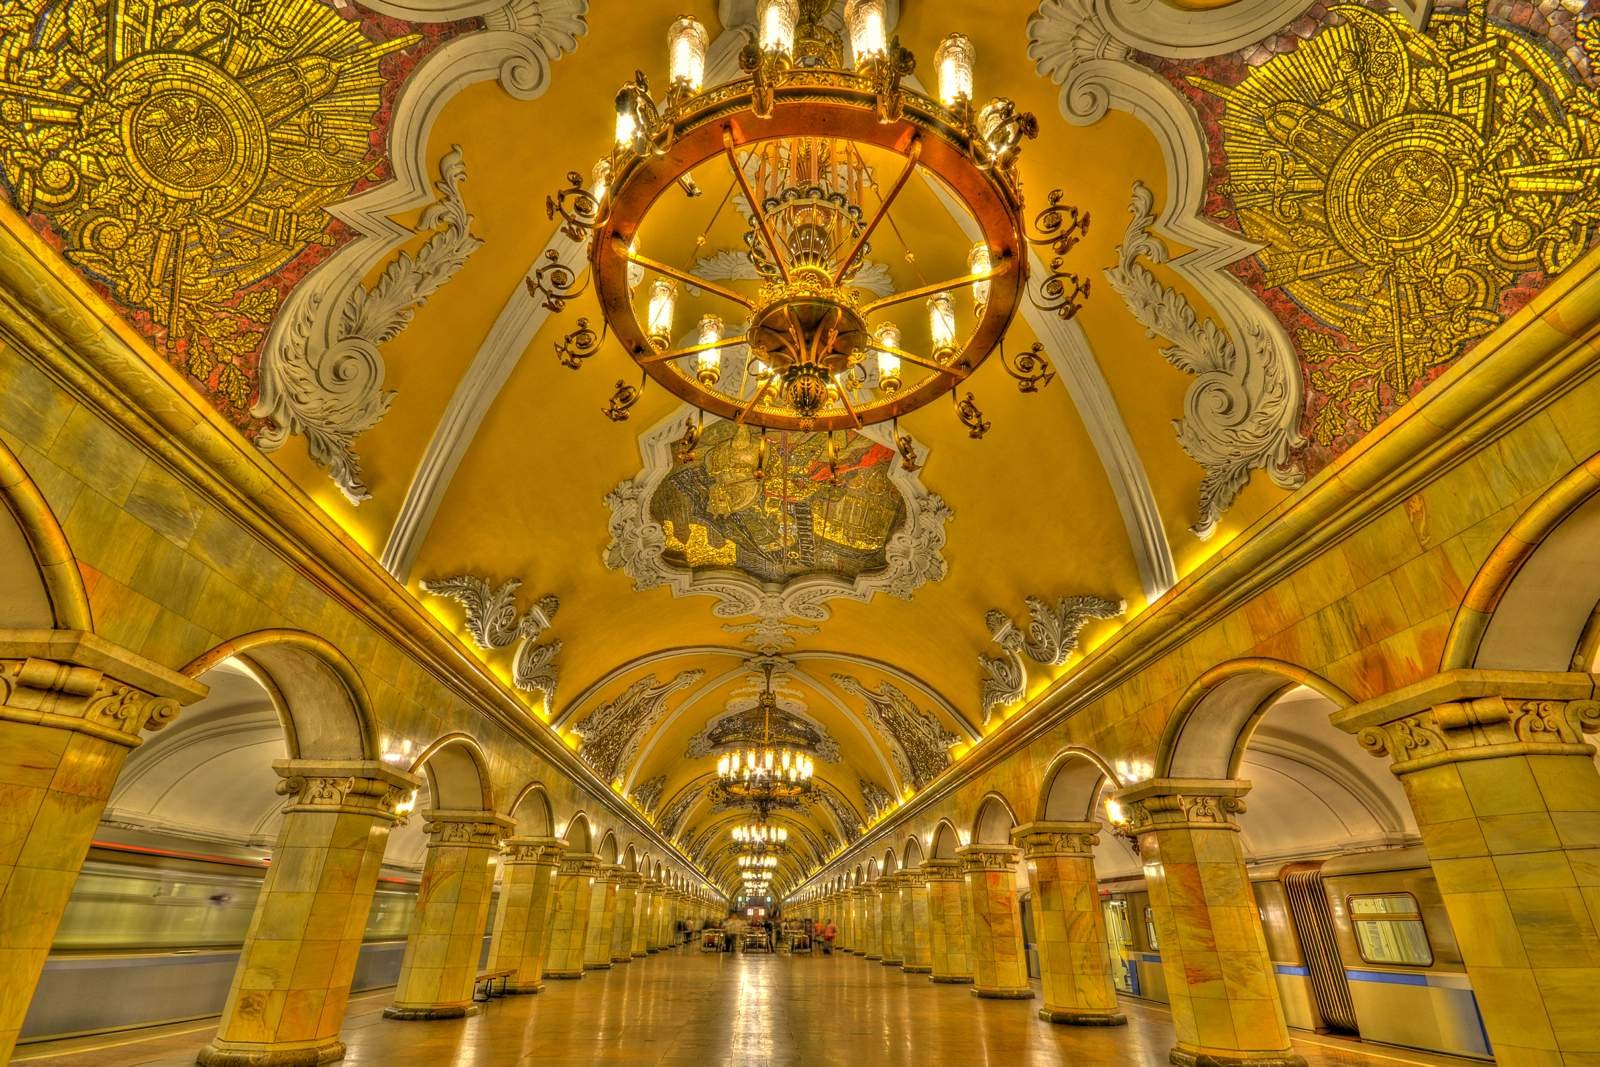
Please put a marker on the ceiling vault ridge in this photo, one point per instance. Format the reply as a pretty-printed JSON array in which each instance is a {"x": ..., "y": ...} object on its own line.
[
  {"x": 321, "y": 372},
  {"x": 1087, "y": 47}
]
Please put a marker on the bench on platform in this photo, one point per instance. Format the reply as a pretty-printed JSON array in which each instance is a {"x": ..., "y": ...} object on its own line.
[{"x": 483, "y": 987}]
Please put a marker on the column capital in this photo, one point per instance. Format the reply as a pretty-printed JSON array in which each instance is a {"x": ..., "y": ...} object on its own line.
[
  {"x": 1474, "y": 714},
  {"x": 913, "y": 876},
  {"x": 358, "y": 787},
  {"x": 537, "y": 851},
  {"x": 630, "y": 878},
  {"x": 885, "y": 883},
  {"x": 1184, "y": 803},
  {"x": 988, "y": 857},
  {"x": 473, "y": 829},
  {"x": 575, "y": 863},
  {"x": 607, "y": 872},
  {"x": 942, "y": 870},
  {"x": 73, "y": 680},
  {"x": 1039, "y": 840}
]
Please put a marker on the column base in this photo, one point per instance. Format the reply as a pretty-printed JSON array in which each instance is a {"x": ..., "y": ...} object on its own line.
[
  {"x": 951, "y": 979},
  {"x": 639, "y": 955},
  {"x": 251, "y": 1054},
  {"x": 524, "y": 990},
  {"x": 651, "y": 951},
  {"x": 870, "y": 956},
  {"x": 1073, "y": 1017},
  {"x": 606, "y": 966},
  {"x": 1189, "y": 1057},
  {"x": 992, "y": 993},
  {"x": 892, "y": 963},
  {"x": 563, "y": 976},
  {"x": 445, "y": 1011},
  {"x": 918, "y": 968},
  {"x": 621, "y": 959}
]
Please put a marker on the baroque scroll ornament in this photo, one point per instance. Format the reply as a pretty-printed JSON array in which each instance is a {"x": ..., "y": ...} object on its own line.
[
  {"x": 611, "y": 733},
  {"x": 186, "y": 152},
  {"x": 1050, "y": 638},
  {"x": 920, "y": 744},
  {"x": 1242, "y": 410},
  {"x": 322, "y": 375},
  {"x": 493, "y": 623},
  {"x": 1403, "y": 183}
]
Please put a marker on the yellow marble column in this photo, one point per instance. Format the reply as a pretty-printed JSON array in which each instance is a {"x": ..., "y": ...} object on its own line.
[
  {"x": 641, "y": 919},
  {"x": 1074, "y": 959},
  {"x": 71, "y": 708},
  {"x": 1507, "y": 799},
  {"x": 522, "y": 921},
  {"x": 999, "y": 964},
  {"x": 847, "y": 921},
  {"x": 627, "y": 913},
  {"x": 872, "y": 914},
  {"x": 602, "y": 918},
  {"x": 915, "y": 922},
  {"x": 569, "y": 919},
  {"x": 949, "y": 952},
  {"x": 1220, "y": 980},
  {"x": 889, "y": 917},
  {"x": 446, "y": 939},
  {"x": 286, "y": 1004}
]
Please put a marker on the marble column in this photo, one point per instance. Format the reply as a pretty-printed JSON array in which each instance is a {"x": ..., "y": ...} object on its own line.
[
  {"x": 446, "y": 940},
  {"x": 626, "y": 914},
  {"x": 72, "y": 706},
  {"x": 915, "y": 922},
  {"x": 286, "y": 1004},
  {"x": 949, "y": 951},
  {"x": 569, "y": 919},
  {"x": 847, "y": 921},
  {"x": 872, "y": 918},
  {"x": 999, "y": 963},
  {"x": 602, "y": 918},
  {"x": 1507, "y": 798},
  {"x": 522, "y": 921},
  {"x": 641, "y": 919},
  {"x": 1074, "y": 959},
  {"x": 889, "y": 916},
  {"x": 1220, "y": 980}
]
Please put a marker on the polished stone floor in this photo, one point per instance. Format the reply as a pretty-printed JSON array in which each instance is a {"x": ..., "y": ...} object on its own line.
[{"x": 685, "y": 1009}]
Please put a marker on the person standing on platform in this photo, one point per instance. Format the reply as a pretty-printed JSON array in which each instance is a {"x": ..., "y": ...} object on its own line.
[{"x": 829, "y": 932}]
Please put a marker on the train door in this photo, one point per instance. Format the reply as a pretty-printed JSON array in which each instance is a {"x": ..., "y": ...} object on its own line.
[
  {"x": 1319, "y": 945},
  {"x": 1119, "y": 940},
  {"x": 1030, "y": 945}
]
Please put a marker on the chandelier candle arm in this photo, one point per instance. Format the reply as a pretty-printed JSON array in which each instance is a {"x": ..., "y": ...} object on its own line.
[
  {"x": 750, "y": 405},
  {"x": 920, "y": 361},
  {"x": 690, "y": 350},
  {"x": 922, "y": 292},
  {"x": 850, "y": 409},
  {"x": 683, "y": 276},
  {"x": 913, "y": 155}
]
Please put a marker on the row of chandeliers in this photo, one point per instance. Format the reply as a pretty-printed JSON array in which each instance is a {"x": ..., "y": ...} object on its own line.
[{"x": 763, "y": 775}]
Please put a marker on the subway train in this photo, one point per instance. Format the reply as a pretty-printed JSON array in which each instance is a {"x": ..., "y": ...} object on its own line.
[
  {"x": 154, "y": 928},
  {"x": 1360, "y": 943}
]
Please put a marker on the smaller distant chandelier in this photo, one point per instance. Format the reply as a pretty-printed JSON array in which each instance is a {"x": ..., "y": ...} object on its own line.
[
  {"x": 807, "y": 151},
  {"x": 758, "y": 863},
  {"x": 766, "y": 772},
  {"x": 760, "y": 835}
]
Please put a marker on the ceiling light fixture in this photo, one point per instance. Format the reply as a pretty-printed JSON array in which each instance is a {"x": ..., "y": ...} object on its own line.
[
  {"x": 816, "y": 154},
  {"x": 766, "y": 772}
]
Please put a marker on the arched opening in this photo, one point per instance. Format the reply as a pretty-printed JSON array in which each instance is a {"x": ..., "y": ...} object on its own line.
[
  {"x": 578, "y": 835},
  {"x": 994, "y": 821},
  {"x": 890, "y": 864},
  {"x": 1073, "y": 788},
  {"x": 608, "y": 849},
  {"x": 532, "y": 814},
  {"x": 911, "y": 854},
  {"x": 945, "y": 840},
  {"x": 40, "y": 585},
  {"x": 630, "y": 859},
  {"x": 1534, "y": 603}
]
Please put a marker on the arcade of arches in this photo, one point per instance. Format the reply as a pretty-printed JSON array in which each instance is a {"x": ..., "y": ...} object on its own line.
[{"x": 1214, "y": 681}]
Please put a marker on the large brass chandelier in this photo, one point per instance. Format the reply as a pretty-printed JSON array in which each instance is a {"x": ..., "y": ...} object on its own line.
[
  {"x": 761, "y": 836},
  {"x": 813, "y": 150},
  {"x": 766, "y": 772}
]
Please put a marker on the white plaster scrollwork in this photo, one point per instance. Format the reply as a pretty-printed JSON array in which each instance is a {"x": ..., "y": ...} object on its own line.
[
  {"x": 534, "y": 669},
  {"x": 319, "y": 378},
  {"x": 913, "y": 554},
  {"x": 648, "y": 794},
  {"x": 1051, "y": 638},
  {"x": 322, "y": 377},
  {"x": 1004, "y": 679},
  {"x": 1241, "y": 412},
  {"x": 612, "y": 731},
  {"x": 492, "y": 619},
  {"x": 878, "y": 799},
  {"x": 1235, "y": 420},
  {"x": 920, "y": 743}
]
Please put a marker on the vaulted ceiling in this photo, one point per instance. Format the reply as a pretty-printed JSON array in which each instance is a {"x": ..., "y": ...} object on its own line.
[{"x": 380, "y": 343}]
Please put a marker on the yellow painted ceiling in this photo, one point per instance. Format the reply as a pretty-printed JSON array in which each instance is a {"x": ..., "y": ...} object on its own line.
[{"x": 1034, "y": 510}]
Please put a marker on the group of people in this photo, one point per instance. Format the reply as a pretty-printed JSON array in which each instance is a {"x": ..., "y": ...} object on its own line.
[{"x": 738, "y": 932}]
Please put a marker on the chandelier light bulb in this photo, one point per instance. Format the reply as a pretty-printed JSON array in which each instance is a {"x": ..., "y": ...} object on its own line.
[
  {"x": 869, "y": 40},
  {"x": 884, "y": 338},
  {"x": 955, "y": 59},
  {"x": 686, "y": 53},
  {"x": 777, "y": 20},
  {"x": 708, "y": 364},
  {"x": 663, "y": 301},
  {"x": 942, "y": 323},
  {"x": 627, "y": 126},
  {"x": 978, "y": 263}
]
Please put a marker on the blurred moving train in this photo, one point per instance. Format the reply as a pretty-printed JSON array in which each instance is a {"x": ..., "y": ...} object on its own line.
[
  {"x": 153, "y": 931},
  {"x": 1360, "y": 943}
]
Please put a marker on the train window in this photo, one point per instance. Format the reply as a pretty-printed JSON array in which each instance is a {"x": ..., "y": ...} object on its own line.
[
  {"x": 1389, "y": 929},
  {"x": 1117, "y": 916},
  {"x": 1150, "y": 930}
]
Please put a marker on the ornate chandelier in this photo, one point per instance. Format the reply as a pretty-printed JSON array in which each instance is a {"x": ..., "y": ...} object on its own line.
[
  {"x": 765, "y": 772},
  {"x": 814, "y": 153},
  {"x": 761, "y": 836},
  {"x": 757, "y": 863}
]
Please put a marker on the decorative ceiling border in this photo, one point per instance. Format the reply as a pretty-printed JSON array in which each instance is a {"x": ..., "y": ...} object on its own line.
[
  {"x": 1086, "y": 47},
  {"x": 913, "y": 553},
  {"x": 315, "y": 382}
]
